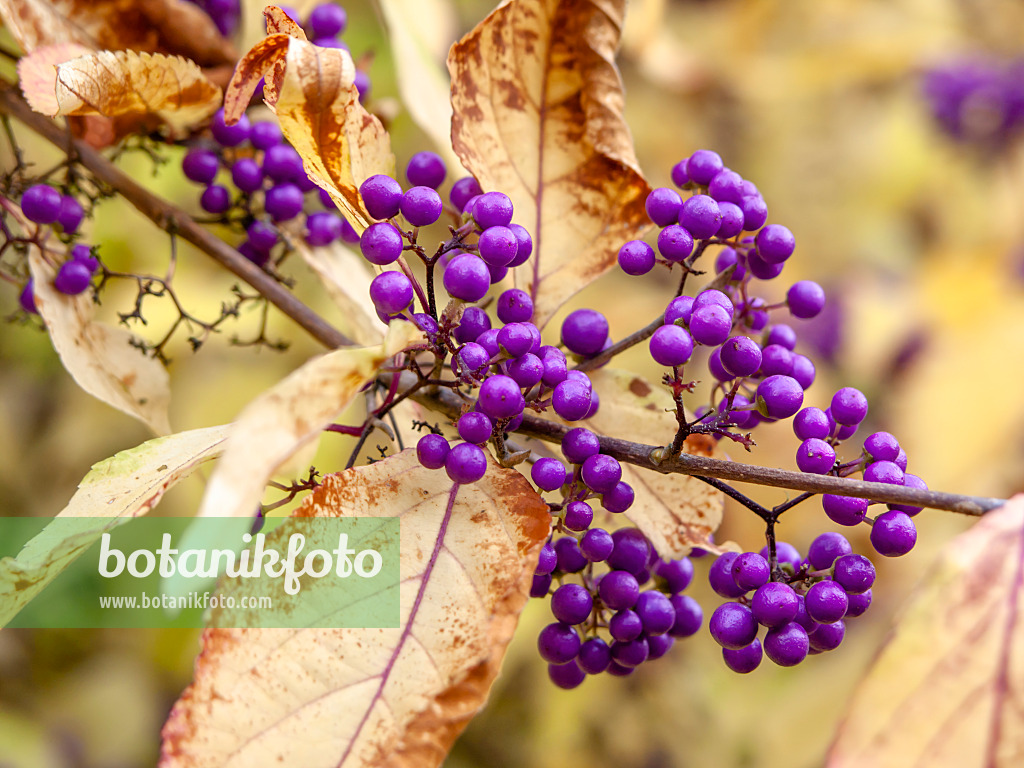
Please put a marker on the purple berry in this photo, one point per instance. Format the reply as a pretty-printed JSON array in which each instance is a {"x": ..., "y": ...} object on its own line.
[
  {"x": 571, "y": 400},
  {"x": 784, "y": 553},
  {"x": 720, "y": 577},
  {"x": 500, "y": 397},
  {"x": 283, "y": 202},
  {"x": 826, "y": 548},
  {"x": 636, "y": 257},
  {"x": 426, "y": 169},
  {"x": 200, "y": 166},
  {"x": 743, "y": 660},
  {"x": 675, "y": 242},
  {"x": 670, "y": 345},
  {"x": 625, "y": 626},
  {"x": 677, "y": 573},
  {"x": 282, "y": 163},
  {"x": 515, "y": 339},
  {"x": 571, "y": 604},
  {"x": 741, "y": 356},
  {"x": 775, "y": 244},
  {"x": 689, "y": 616},
  {"x": 727, "y": 257},
  {"x": 466, "y": 277},
  {"x": 701, "y": 216},
  {"x": 781, "y": 334},
  {"x": 733, "y": 626},
  {"x": 71, "y": 214},
  {"x": 391, "y": 292},
  {"x": 827, "y": 637},
  {"x": 382, "y": 196},
  {"x": 803, "y": 371},
  {"x": 750, "y": 571},
  {"x": 585, "y": 332},
  {"x": 882, "y": 446},
  {"x": 703, "y": 165},
  {"x": 844, "y": 510},
  {"x": 515, "y": 306},
  {"x": 215, "y": 199},
  {"x": 548, "y": 474},
  {"x": 755, "y": 212},
  {"x": 858, "y": 604},
  {"x": 663, "y": 206},
  {"x": 910, "y": 481},
  {"x": 465, "y": 463},
  {"x": 73, "y": 277},
  {"x": 849, "y": 406},
  {"x": 779, "y": 397},
  {"x": 710, "y": 324},
  {"x": 597, "y": 545},
  {"x": 570, "y": 559},
  {"x": 893, "y": 534},
  {"x": 265, "y": 135},
  {"x": 492, "y": 209},
  {"x": 432, "y": 450},
  {"x": 498, "y": 246},
  {"x": 656, "y": 612},
  {"x": 815, "y": 456},
  {"x": 774, "y": 604},
  {"x": 594, "y": 656},
  {"x": 680, "y": 308},
  {"x": 229, "y": 135},
  {"x": 421, "y": 206},
  {"x": 462, "y": 191},
  {"x": 558, "y": 643},
  {"x": 632, "y": 551},
  {"x": 826, "y": 602},
  {"x": 806, "y": 299},
  {"x": 475, "y": 427},
  {"x": 327, "y": 20},
  {"x": 620, "y": 498},
  {"x": 247, "y": 175},
  {"x": 732, "y": 221},
  {"x": 578, "y": 516},
  {"x": 854, "y": 573},
  {"x": 601, "y": 473},
  {"x": 631, "y": 654},
  {"x": 787, "y": 645},
  {"x": 619, "y": 590},
  {"x": 525, "y": 247},
  {"x": 887, "y": 472},
  {"x": 322, "y": 228},
  {"x": 776, "y": 360},
  {"x": 580, "y": 444}
]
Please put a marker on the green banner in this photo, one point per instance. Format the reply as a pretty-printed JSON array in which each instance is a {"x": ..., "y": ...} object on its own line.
[{"x": 199, "y": 572}]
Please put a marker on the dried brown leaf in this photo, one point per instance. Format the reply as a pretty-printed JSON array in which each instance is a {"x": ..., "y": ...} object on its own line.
[
  {"x": 173, "y": 27},
  {"x": 125, "y": 486},
  {"x": 288, "y": 416},
  {"x": 37, "y": 74},
  {"x": 420, "y": 33},
  {"x": 349, "y": 698},
  {"x": 99, "y": 357},
  {"x": 675, "y": 512},
  {"x": 947, "y": 690},
  {"x": 317, "y": 104},
  {"x": 538, "y": 114},
  {"x": 346, "y": 277},
  {"x": 113, "y": 83}
]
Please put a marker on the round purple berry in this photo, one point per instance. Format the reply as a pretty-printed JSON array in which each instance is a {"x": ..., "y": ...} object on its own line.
[
  {"x": 787, "y": 645},
  {"x": 500, "y": 397},
  {"x": 322, "y": 228},
  {"x": 849, "y": 406},
  {"x": 558, "y": 643},
  {"x": 826, "y": 602},
  {"x": 844, "y": 510},
  {"x": 283, "y": 202},
  {"x": 618, "y": 499},
  {"x": 515, "y": 306},
  {"x": 462, "y": 191},
  {"x": 391, "y": 292},
  {"x": 671, "y": 345},
  {"x": 432, "y": 450},
  {"x": 743, "y": 660},
  {"x": 492, "y": 209},
  {"x": 675, "y": 242},
  {"x": 619, "y": 590},
  {"x": 637, "y": 257},
  {"x": 703, "y": 165},
  {"x": 73, "y": 277},
  {"x": 710, "y": 324},
  {"x": 426, "y": 169},
  {"x": 382, "y": 196},
  {"x": 466, "y": 277},
  {"x": 741, "y": 356},
  {"x": 893, "y": 534},
  {"x": 806, "y": 299},
  {"x": 571, "y": 604},
  {"x": 733, "y": 625},
  {"x": 421, "y": 206},
  {"x": 71, "y": 214},
  {"x": 750, "y": 571},
  {"x": 701, "y": 216},
  {"x": 548, "y": 474},
  {"x": 779, "y": 397},
  {"x": 585, "y": 332},
  {"x": 815, "y": 456},
  {"x": 663, "y": 206},
  {"x": 465, "y": 463},
  {"x": 854, "y": 573},
  {"x": 474, "y": 427},
  {"x": 229, "y": 135},
  {"x": 200, "y": 166},
  {"x": 571, "y": 400},
  {"x": 775, "y": 244}
]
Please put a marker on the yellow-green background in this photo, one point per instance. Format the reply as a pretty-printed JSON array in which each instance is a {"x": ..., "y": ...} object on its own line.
[{"x": 818, "y": 102}]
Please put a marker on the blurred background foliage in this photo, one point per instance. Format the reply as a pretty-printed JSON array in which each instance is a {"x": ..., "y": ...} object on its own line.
[{"x": 918, "y": 237}]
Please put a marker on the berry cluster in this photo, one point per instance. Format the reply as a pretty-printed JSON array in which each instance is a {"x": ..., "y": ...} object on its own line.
[
  {"x": 803, "y": 603},
  {"x": 270, "y": 187},
  {"x": 977, "y": 100},
  {"x": 43, "y": 205},
  {"x": 605, "y": 621}
]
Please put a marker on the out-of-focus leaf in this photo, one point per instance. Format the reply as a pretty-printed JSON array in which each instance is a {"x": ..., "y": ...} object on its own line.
[
  {"x": 675, "y": 512},
  {"x": 117, "y": 489},
  {"x": 113, "y": 83},
  {"x": 948, "y": 687},
  {"x": 360, "y": 697},
  {"x": 538, "y": 105},
  {"x": 345, "y": 276},
  {"x": 288, "y": 416},
  {"x": 158, "y": 26},
  {"x": 420, "y": 32},
  {"x": 37, "y": 74},
  {"x": 99, "y": 357},
  {"x": 317, "y": 104}
]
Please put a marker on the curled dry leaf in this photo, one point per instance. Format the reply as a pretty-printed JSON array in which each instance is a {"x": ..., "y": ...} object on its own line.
[
  {"x": 947, "y": 690},
  {"x": 174, "y": 27},
  {"x": 117, "y": 489},
  {"x": 317, "y": 104},
  {"x": 538, "y": 106},
  {"x": 346, "y": 277},
  {"x": 113, "y": 83},
  {"x": 37, "y": 74},
  {"x": 420, "y": 33},
  {"x": 100, "y": 357},
  {"x": 675, "y": 512},
  {"x": 288, "y": 416},
  {"x": 359, "y": 697}
]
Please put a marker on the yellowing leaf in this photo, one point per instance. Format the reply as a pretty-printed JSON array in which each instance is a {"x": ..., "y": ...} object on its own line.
[
  {"x": 346, "y": 277},
  {"x": 675, "y": 512},
  {"x": 158, "y": 26},
  {"x": 37, "y": 74},
  {"x": 99, "y": 357},
  {"x": 947, "y": 690},
  {"x": 290, "y": 415},
  {"x": 112, "y": 83},
  {"x": 317, "y": 104},
  {"x": 349, "y": 698},
  {"x": 538, "y": 115},
  {"x": 117, "y": 489},
  {"x": 420, "y": 33}
]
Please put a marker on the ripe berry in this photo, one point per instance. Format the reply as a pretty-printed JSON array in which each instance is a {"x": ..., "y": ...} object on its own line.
[
  {"x": 805, "y": 298},
  {"x": 200, "y": 166},
  {"x": 71, "y": 214},
  {"x": 283, "y": 202},
  {"x": 391, "y": 292},
  {"x": 229, "y": 135},
  {"x": 701, "y": 216},
  {"x": 743, "y": 660},
  {"x": 703, "y": 165},
  {"x": 382, "y": 196},
  {"x": 675, "y": 242},
  {"x": 637, "y": 258},
  {"x": 431, "y": 450},
  {"x": 322, "y": 228},
  {"x": 893, "y": 534},
  {"x": 671, "y": 345},
  {"x": 787, "y": 645},
  {"x": 465, "y": 463},
  {"x": 585, "y": 332},
  {"x": 426, "y": 169},
  {"x": 463, "y": 191},
  {"x": 466, "y": 277},
  {"x": 73, "y": 277},
  {"x": 733, "y": 626},
  {"x": 381, "y": 243},
  {"x": 663, "y": 206},
  {"x": 498, "y": 246},
  {"x": 779, "y": 397},
  {"x": 492, "y": 209},
  {"x": 775, "y": 244},
  {"x": 421, "y": 206}
]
